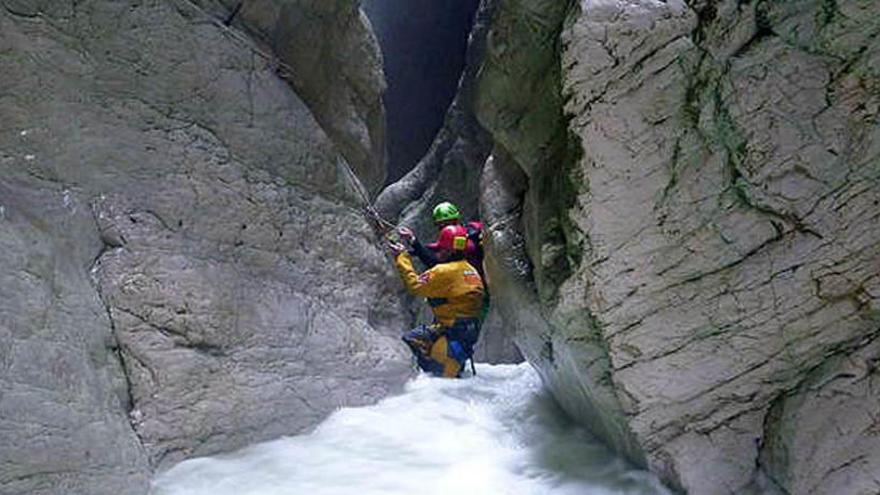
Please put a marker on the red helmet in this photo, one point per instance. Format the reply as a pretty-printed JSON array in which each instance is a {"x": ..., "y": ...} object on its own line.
[{"x": 452, "y": 238}]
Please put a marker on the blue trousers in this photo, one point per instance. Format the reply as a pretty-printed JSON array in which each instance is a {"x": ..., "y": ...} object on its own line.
[{"x": 443, "y": 350}]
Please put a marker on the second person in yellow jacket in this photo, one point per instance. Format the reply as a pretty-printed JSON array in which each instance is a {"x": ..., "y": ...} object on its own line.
[{"x": 454, "y": 290}]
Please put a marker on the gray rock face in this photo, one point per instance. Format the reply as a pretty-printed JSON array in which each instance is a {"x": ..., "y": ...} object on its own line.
[
  {"x": 63, "y": 394},
  {"x": 185, "y": 268},
  {"x": 248, "y": 323},
  {"x": 822, "y": 437},
  {"x": 717, "y": 261},
  {"x": 329, "y": 54}
]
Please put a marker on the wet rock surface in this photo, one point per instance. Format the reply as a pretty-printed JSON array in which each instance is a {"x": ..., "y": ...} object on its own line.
[
  {"x": 716, "y": 256},
  {"x": 186, "y": 268}
]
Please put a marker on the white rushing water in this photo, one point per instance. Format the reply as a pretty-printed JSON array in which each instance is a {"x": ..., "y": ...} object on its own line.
[{"x": 498, "y": 433}]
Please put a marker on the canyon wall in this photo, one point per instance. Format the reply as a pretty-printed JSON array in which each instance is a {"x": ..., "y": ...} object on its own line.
[
  {"x": 186, "y": 267},
  {"x": 685, "y": 230}
]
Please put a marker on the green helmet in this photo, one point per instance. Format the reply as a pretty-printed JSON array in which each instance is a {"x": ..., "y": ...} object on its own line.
[{"x": 446, "y": 211}]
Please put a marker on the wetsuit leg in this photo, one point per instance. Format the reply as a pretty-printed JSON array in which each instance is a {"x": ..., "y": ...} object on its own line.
[
  {"x": 465, "y": 333},
  {"x": 442, "y": 355},
  {"x": 421, "y": 341}
]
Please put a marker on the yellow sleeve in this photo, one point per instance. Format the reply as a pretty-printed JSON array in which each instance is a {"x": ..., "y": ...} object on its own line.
[{"x": 432, "y": 283}]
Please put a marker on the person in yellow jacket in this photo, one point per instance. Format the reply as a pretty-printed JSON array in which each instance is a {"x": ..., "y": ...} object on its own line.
[{"x": 454, "y": 290}]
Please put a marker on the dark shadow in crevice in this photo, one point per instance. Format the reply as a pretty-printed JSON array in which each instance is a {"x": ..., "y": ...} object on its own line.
[{"x": 423, "y": 44}]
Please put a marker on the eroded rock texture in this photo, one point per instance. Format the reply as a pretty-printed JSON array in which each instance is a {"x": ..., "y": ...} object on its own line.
[
  {"x": 710, "y": 299},
  {"x": 185, "y": 266},
  {"x": 63, "y": 393},
  {"x": 327, "y": 51}
]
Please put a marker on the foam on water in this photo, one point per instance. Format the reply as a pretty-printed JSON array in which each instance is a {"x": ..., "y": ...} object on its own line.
[{"x": 495, "y": 434}]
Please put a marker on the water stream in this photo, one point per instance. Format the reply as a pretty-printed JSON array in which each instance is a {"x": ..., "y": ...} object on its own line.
[{"x": 498, "y": 433}]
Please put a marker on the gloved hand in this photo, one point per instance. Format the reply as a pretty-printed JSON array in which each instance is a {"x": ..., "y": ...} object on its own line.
[
  {"x": 396, "y": 248},
  {"x": 406, "y": 234},
  {"x": 475, "y": 231}
]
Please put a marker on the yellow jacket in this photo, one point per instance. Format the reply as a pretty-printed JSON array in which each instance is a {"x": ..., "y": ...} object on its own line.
[{"x": 454, "y": 289}]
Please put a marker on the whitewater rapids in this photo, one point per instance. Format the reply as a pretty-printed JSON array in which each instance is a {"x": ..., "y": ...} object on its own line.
[{"x": 498, "y": 433}]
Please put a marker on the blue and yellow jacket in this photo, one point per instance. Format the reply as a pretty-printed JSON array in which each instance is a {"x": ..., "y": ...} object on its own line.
[{"x": 454, "y": 289}]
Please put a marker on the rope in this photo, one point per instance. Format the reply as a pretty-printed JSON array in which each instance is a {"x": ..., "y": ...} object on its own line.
[
  {"x": 237, "y": 36},
  {"x": 380, "y": 225},
  {"x": 234, "y": 13}
]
